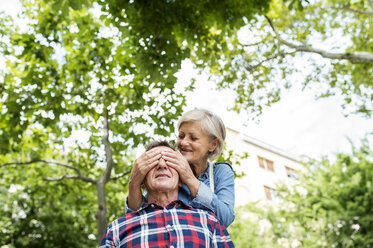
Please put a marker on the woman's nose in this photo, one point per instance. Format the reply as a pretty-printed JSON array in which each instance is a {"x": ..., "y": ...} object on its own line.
[{"x": 184, "y": 142}]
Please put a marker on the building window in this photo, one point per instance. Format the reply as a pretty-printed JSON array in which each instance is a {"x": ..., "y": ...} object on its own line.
[
  {"x": 271, "y": 194},
  {"x": 266, "y": 164},
  {"x": 291, "y": 173}
]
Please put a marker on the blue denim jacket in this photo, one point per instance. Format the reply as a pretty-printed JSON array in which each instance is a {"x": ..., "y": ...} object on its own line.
[{"x": 221, "y": 202}]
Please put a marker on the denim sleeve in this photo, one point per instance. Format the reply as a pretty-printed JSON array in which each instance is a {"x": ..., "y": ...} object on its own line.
[{"x": 221, "y": 202}]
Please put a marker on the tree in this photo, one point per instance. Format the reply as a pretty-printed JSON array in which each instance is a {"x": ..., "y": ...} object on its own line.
[
  {"x": 330, "y": 205},
  {"x": 105, "y": 69},
  {"x": 39, "y": 209},
  {"x": 249, "y": 230},
  {"x": 324, "y": 44},
  {"x": 38, "y": 213}
]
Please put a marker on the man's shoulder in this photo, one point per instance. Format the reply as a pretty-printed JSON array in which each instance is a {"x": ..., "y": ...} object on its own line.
[
  {"x": 202, "y": 213},
  {"x": 122, "y": 219}
]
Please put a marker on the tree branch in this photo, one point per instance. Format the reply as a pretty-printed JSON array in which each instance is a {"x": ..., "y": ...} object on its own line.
[
  {"x": 252, "y": 44},
  {"x": 356, "y": 11},
  {"x": 79, "y": 176},
  {"x": 120, "y": 175},
  {"x": 356, "y": 57},
  {"x": 85, "y": 179},
  {"x": 252, "y": 67},
  {"x": 41, "y": 161}
]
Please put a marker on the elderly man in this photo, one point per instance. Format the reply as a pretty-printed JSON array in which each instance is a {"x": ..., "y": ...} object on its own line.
[{"x": 165, "y": 221}]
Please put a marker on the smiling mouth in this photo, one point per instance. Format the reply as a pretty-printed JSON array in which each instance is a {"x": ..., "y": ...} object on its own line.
[{"x": 185, "y": 150}]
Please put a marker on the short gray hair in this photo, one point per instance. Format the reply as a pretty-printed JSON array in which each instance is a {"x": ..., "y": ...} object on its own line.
[
  {"x": 155, "y": 143},
  {"x": 212, "y": 125}
]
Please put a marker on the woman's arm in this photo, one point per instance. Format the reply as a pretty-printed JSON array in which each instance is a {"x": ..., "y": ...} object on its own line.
[{"x": 221, "y": 201}]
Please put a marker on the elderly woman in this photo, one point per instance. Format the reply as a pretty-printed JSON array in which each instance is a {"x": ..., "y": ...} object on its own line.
[{"x": 211, "y": 186}]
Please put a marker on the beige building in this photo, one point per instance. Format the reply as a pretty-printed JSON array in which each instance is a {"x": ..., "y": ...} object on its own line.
[{"x": 265, "y": 166}]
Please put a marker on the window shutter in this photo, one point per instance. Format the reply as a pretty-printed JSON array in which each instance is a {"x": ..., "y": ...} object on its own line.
[
  {"x": 261, "y": 162},
  {"x": 270, "y": 165}
]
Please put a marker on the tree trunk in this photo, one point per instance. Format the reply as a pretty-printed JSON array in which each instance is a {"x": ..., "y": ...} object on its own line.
[
  {"x": 102, "y": 209},
  {"x": 103, "y": 180}
]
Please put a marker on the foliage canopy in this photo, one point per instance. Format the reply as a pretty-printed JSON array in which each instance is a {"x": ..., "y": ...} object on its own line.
[
  {"x": 85, "y": 83},
  {"x": 325, "y": 45},
  {"x": 330, "y": 206}
]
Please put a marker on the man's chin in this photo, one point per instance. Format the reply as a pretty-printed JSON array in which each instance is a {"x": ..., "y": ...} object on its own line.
[
  {"x": 164, "y": 189},
  {"x": 164, "y": 186}
]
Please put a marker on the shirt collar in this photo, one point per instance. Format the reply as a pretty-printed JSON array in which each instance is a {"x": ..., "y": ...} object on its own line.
[
  {"x": 177, "y": 203},
  {"x": 205, "y": 174}
]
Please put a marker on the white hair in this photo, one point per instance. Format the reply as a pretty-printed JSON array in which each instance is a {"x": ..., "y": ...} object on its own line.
[{"x": 212, "y": 125}]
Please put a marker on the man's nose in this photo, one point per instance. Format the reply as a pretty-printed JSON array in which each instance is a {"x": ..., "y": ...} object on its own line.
[{"x": 162, "y": 164}]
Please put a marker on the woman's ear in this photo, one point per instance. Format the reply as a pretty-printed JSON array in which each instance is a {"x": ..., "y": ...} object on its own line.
[{"x": 213, "y": 145}]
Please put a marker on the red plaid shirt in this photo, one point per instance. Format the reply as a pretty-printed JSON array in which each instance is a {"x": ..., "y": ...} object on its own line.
[{"x": 176, "y": 225}]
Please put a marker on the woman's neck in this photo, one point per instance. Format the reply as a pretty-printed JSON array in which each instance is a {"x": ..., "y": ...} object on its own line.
[{"x": 201, "y": 167}]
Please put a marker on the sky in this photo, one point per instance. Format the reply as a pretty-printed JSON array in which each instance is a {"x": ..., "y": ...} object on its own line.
[
  {"x": 10, "y": 6},
  {"x": 297, "y": 124}
]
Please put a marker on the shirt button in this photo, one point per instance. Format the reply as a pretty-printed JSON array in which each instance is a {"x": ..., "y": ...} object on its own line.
[
  {"x": 169, "y": 227},
  {"x": 171, "y": 246}
]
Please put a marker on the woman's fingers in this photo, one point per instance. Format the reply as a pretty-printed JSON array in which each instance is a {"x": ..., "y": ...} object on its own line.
[
  {"x": 143, "y": 164},
  {"x": 173, "y": 159},
  {"x": 169, "y": 158},
  {"x": 174, "y": 156},
  {"x": 177, "y": 161},
  {"x": 151, "y": 159}
]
